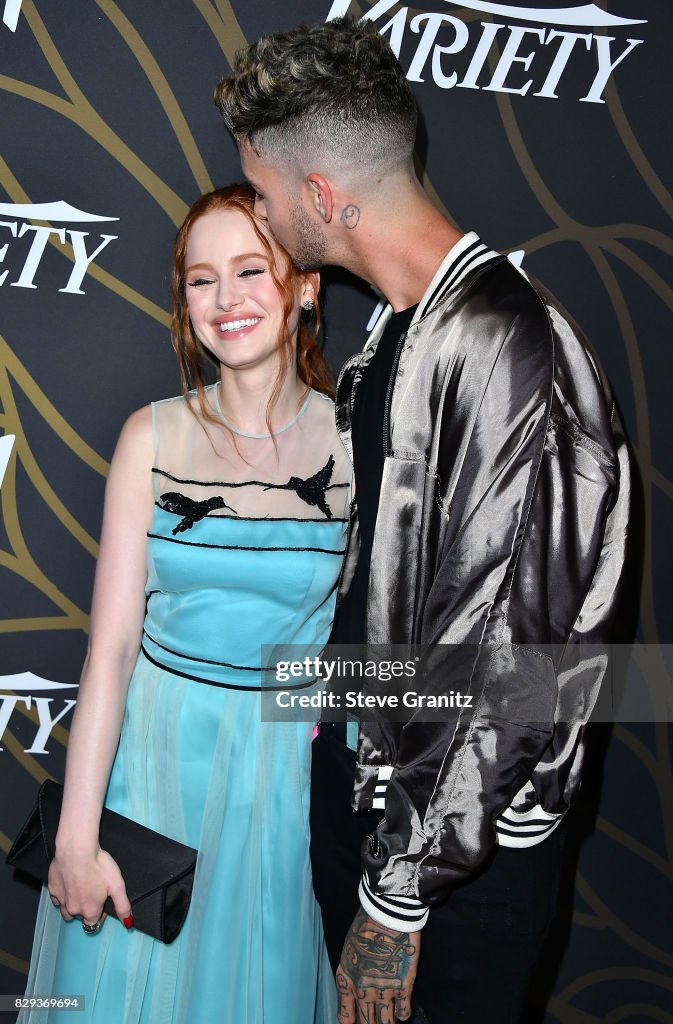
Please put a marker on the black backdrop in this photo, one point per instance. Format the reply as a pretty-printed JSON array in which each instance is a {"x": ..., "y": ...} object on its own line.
[{"x": 105, "y": 108}]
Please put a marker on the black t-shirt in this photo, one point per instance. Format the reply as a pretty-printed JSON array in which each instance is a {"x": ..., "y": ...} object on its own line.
[{"x": 368, "y": 457}]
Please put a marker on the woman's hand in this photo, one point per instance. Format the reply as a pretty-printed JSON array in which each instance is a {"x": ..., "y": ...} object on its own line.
[
  {"x": 82, "y": 876},
  {"x": 79, "y": 885}
]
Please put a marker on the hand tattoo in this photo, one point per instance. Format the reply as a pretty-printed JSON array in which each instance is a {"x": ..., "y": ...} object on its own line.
[
  {"x": 376, "y": 958},
  {"x": 376, "y": 974},
  {"x": 350, "y": 215}
]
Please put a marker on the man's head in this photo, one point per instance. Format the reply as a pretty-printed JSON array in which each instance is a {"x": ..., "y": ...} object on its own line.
[{"x": 320, "y": 112}]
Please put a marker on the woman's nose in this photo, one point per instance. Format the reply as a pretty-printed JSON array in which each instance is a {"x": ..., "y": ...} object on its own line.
[{"x": 228, "y": 295}]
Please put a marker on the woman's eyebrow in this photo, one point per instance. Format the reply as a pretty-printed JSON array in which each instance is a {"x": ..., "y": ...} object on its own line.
[
  {"x": 250, "y": 255},
  {"x": 239, "y": 258},
  {"x": 198, "y": 266}
]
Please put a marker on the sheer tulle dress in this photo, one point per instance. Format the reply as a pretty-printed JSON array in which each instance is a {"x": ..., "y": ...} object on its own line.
[{"x": 245, "y": 548}]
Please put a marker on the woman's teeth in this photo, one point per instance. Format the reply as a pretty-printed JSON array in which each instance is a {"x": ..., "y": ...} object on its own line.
[{"x": 237, "y": 325}]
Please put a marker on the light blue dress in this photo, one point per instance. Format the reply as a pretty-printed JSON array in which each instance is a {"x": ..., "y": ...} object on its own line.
[{"x": 195, "y": 760}]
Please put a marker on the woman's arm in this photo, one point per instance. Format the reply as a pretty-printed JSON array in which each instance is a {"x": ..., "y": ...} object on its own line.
[{"x": 81, "y": 876}]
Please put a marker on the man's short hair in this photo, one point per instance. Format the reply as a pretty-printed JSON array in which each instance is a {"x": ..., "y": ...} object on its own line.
[{"x": 335, "y": 90}]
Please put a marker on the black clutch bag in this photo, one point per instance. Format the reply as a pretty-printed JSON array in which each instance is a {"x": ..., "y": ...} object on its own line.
[{"x": 158, "y": 871}]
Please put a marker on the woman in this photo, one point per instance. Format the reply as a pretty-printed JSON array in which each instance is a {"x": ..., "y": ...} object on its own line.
[{"x": 224, "y": 529}]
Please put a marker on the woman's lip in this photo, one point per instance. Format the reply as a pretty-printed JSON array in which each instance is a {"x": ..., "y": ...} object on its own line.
[{"x": 233, "y": 331}]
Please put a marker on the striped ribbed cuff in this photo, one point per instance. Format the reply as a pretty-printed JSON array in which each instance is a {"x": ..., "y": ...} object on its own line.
[
  {"x": 520, "y": 829},
  {"x": 382, "y": 780},
  {"x": 405, "y": 913}
]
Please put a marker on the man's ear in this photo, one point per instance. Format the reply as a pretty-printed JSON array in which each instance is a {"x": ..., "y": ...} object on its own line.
[{"x": 321, "y": 194}]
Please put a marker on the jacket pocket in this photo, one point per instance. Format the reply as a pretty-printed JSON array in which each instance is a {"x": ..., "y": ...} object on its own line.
[{"x": 520, "y": 688}]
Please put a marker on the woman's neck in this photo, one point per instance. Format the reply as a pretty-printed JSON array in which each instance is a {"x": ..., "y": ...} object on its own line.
[{"x": 244, "y": 398}]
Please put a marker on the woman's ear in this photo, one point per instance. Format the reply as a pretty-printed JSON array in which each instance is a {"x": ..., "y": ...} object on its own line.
[{"x": 310, "y": 287}]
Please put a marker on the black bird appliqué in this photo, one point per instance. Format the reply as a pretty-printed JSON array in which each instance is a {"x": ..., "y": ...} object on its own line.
[
  {"x": 312, "y": 490},
  {"x": 190, "y": 510}
]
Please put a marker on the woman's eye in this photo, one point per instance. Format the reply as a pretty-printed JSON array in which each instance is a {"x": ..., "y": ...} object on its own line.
[
  {"x": 251, "y": 271},
  {"x": 199, "y": 281}
]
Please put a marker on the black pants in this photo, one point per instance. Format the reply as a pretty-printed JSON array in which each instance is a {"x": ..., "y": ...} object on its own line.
[{"x": 480, "y": 946}]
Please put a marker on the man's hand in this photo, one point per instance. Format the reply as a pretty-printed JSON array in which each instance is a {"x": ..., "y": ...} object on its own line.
[{"x": 376, "y": 973}]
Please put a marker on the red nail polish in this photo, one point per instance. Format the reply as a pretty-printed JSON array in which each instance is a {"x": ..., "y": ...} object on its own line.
[{"x": 128, "y": 921}]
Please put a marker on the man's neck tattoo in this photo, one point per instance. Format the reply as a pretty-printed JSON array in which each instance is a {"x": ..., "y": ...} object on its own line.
[{"x": 350, "y": 215}]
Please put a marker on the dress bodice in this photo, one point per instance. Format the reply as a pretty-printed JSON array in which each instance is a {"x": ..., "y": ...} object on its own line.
[{"x": 246, "y": 542}]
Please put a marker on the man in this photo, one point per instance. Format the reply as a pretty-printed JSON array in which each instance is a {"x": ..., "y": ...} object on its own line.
[{"x": 492, "y": 489}]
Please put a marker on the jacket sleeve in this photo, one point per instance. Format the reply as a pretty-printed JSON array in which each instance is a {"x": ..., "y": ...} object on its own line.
[{"x": 534, "y": 563}]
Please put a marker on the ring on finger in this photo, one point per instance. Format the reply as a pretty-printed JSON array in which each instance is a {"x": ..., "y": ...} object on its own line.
[{"x": 91, "y": 929}]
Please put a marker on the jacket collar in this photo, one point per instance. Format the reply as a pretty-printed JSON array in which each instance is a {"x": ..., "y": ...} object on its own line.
[{"x": 467, "y": 254}]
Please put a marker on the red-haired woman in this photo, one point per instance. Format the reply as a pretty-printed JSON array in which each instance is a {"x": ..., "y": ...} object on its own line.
[{"x": 224, "y": 529}]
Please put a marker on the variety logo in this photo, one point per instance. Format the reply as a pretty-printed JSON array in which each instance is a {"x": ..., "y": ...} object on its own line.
[
  {"x": 6, "y": 445},
  {"x": 544, "y": 50},
  {"x": 31, "y": 251},
  {"x": 23, "y": 688}
]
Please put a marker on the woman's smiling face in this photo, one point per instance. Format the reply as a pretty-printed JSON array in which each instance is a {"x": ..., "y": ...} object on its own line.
[{"x": 235, "y": 307}]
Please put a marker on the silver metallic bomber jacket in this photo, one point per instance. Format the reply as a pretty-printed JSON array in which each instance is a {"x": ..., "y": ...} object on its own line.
[{"x": 503, "y": 522}]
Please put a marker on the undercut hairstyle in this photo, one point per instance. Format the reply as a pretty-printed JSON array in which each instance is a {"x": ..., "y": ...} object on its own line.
[
  {"x": 311, "y": 367},
  {"x": 333, "y": 90}
]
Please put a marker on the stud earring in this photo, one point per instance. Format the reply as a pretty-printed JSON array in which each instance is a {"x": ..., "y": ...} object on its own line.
[{"x": 307, "y": 304}]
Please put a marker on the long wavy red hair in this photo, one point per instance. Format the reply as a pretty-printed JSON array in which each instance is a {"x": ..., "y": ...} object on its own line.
[{"x": 310, "y": 362}]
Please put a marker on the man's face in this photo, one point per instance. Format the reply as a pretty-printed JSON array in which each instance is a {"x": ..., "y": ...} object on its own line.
[{"x": 290, "y": 223}]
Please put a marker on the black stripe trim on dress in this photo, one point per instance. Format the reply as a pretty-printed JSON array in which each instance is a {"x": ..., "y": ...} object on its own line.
[
  {"x": 208, "y": 661},
  {"x": 225, "y": 686},
  {"x": 255, "y": 519},
  {"x": 224, "y": 483},
  {"x": 239, "y": 547}
]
